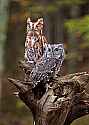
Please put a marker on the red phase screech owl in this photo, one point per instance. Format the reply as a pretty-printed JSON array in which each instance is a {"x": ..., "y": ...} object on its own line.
[{"x": 35, "y": 40}]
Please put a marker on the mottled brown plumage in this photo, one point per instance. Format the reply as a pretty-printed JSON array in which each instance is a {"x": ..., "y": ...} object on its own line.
[{"x": 35, "y": 39}]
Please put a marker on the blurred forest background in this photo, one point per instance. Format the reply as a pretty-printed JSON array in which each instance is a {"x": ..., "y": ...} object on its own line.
[{"x": 65, "y": 21}]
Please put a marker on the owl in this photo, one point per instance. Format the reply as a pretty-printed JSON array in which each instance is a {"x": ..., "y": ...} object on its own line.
[
  {"x": 35, "y": 38},
  {"x": 54, "y": 51},
  {"x": 49, "y": 64}
]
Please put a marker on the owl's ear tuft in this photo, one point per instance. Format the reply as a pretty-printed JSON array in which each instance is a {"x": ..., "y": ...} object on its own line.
[{"x": 28, "y": 19}]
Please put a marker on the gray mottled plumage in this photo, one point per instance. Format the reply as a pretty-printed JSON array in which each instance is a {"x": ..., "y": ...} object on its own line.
[{"x": 49, "y": 64}]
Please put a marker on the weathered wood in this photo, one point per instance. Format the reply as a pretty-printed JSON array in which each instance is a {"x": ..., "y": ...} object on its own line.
[{"x": 59, "y": 103}]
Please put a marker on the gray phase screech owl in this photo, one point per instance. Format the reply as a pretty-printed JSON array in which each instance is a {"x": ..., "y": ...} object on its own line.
[{"x": 49, "y": 65}]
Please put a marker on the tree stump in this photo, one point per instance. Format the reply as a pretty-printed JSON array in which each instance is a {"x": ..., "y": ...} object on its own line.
[{"x": 61, "y": 102}]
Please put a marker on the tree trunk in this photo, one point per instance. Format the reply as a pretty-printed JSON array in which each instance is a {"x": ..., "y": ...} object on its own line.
[
  {"x": 3, "y": 28},
  {"x": 59, "y": 26},
  {"x": 60, "y": 104}
]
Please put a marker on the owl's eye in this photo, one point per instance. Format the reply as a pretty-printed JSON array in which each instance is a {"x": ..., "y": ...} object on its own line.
[
  {"x": 44, "y": 49},
  {"x": 60, "y": 49},
  {"x": 37, "y": 26},
  {"x": 49, "y": 49},
  {"x": 56, "y": 49}
]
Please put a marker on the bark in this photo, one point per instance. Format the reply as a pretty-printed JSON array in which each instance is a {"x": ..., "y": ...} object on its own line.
[{"x": 61, "y": 102}]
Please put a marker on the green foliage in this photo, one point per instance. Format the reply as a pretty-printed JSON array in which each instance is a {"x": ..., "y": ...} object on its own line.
[
  {"x": 80, "y": 28},
  {"x": 81, "y": 25},
  {"x": 72, "y": 25}
]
